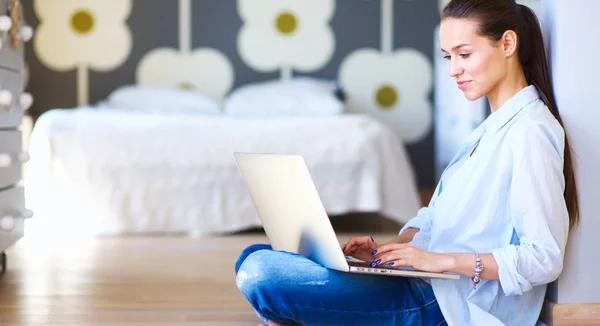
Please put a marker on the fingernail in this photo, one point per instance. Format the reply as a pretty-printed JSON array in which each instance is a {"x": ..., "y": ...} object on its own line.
[
  {"x": 344, "y": 250},
  {"x": 375, "y": 262},
  {"x": 391, "y": 264},
  {"x": 372, "y": 239},
  {"x": 374, "y": 252}
]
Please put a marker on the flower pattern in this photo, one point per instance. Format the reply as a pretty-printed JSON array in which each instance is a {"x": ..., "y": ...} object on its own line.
[
  {"x": 393, "y": 88},
  {"x": 203, "y": 70},
  {"x": 280, "y": 34},
  {"x": 82, "y": 32}
]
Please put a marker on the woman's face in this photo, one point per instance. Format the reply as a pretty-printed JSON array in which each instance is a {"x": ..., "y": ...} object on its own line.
[{"x": 476, "y": 63}]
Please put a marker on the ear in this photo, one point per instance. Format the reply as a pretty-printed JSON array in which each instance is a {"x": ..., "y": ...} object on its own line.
[{"x": 509, "y": 42}]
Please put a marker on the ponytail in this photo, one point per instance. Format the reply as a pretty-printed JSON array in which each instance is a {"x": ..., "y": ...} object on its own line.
[{"x": 532, "y": 55}]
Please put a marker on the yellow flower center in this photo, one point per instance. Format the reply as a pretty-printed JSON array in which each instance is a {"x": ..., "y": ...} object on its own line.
[
  {"x": 187, "y": 85},
  {"x": 386, "y": 97},
  {"x": 82, "y": 22},
  {"x": 286, "y": 23}
]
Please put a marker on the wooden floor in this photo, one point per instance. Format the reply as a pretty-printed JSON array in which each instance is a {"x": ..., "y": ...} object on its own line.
[{"x": 126, "y": 281}]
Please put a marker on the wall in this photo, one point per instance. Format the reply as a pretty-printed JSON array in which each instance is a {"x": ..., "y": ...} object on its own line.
[
  {"x": 84, "y": 49},
  {"x": 575, "y": 74}
]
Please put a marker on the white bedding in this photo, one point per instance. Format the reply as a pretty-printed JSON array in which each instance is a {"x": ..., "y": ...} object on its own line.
[{"x": 112, "y": 172}]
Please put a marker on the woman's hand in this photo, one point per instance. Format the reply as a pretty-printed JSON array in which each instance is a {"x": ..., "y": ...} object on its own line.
[
  {"x": 361, "y": 248},
  {"x": 404, "y": 254}
]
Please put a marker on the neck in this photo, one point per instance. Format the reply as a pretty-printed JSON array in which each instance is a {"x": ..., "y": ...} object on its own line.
[{"x": 506, "y": 89}]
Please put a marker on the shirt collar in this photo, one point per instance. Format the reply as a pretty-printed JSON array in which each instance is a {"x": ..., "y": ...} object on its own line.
[
  {"x": 509, "y": 110},
  {"x": 497, "y": 120}
]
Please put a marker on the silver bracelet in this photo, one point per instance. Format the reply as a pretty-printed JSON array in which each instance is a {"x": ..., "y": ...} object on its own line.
[{"x": 478, "y": 269}]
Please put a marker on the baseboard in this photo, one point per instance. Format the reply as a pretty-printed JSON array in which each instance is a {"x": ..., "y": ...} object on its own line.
[{"x": 559, "y": 314}]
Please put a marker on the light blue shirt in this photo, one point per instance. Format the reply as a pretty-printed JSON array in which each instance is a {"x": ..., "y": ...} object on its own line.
[{"x": 506, "y": 199}]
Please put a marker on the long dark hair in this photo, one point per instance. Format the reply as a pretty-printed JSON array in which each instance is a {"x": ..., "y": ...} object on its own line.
[{"x": 496, "y": 17}]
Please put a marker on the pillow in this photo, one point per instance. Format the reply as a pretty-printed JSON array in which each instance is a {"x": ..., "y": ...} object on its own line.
[
  {"x": 297, "y": 97},
  {"x": 153, "y": 99}
]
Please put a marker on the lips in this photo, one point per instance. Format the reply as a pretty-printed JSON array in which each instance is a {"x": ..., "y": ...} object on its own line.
[{"x": 463, "y": 84}]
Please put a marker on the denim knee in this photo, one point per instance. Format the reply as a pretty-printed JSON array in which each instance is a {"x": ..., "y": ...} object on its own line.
[
  {"x": 252, "y": 276},
  {"x": 247, "y": 252},
  {"x": 255, "y": 279}
]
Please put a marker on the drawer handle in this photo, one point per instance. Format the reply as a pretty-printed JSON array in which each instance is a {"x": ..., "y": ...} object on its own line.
[
  {"x": 7, "y": 223},
  {"x": 24, "y": 157},
  {"x": 25, "y": 101},
  {"x": 6, "y": 160},
  {"x": 26, "y": 33},
  {"x": 5, "y": 23},
  {"x": 26, "y": 214},
  {"x": 5, "y": 99}
]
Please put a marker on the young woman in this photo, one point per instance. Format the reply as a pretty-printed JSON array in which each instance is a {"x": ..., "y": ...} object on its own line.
[{"x": 500, "y": 215}]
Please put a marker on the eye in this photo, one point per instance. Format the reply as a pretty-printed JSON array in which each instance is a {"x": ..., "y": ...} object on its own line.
[
  {"x": 464, "y": 55},
  {"x": 447, "y": 57}
]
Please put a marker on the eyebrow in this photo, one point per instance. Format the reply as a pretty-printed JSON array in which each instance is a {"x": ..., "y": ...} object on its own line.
[{"x": 457, "y": 47}]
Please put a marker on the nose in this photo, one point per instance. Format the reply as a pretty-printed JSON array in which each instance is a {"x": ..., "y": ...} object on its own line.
[{"x": 455, "y": 68}]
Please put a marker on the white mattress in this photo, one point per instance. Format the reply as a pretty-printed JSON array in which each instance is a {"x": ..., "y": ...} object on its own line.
[{"x": 112, "y": 172}]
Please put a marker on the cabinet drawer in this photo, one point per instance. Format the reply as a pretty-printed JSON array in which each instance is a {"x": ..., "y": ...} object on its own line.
[
  {"x": 10, "y": 57},
  {"x": 11, "y": 158},
  {"x": 12, "y": 216},
  {"x": 11, "y": 116}
]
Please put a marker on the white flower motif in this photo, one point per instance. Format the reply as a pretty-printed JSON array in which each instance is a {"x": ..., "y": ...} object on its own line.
[
  {"x": 286, "y": 34},
  {"x": 393, "y": 88},
  {"x": 205, "y": 70},
  {"x": 82, "y": 32}
]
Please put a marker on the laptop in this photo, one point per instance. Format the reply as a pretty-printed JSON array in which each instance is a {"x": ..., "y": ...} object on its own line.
[{"x": 294, "y": 218}]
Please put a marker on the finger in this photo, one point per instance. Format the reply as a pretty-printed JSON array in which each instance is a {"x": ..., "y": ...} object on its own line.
[
  {"x": 397, "y": 263},
  {"x": 389, "y": 257},
  {"x": 369, "y": 247},
  {"x": 405, "y": 251},
  {"x": 362, "y": 255},
  {"x": 348, "y": 245},
  {"x": 372, "y": 244},
  {"x": 389, "y": 247},
  {"x": 357, "y": 248},
  {"x": 356, "y": 242}
]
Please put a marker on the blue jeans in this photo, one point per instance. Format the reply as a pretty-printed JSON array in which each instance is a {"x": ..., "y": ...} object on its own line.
[{"x": 288, "y": 288}]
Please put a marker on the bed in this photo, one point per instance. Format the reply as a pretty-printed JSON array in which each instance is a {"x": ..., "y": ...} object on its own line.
[{"x": 107, "y": 171}]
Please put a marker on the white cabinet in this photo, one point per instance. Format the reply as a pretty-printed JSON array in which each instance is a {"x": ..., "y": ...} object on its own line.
[
  {"x": 13, "y": 104},
  {"x": 12, "y": 216}
]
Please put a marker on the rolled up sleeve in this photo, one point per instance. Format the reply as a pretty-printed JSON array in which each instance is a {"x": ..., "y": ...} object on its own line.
[
  {"x": 423, "y": 222},
  {"x": 539, "y": 212},
  {"x": 422, "y": 219}
]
